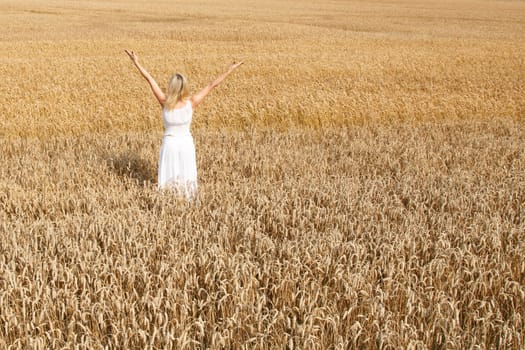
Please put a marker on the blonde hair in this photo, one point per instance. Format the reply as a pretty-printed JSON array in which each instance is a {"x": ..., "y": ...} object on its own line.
[{"x": 177, "y": 90}]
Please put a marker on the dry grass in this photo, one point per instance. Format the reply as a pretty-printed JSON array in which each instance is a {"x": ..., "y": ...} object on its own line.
[
  {"x": 369, "y": 237},
  {"x": 387, "y": 213}
]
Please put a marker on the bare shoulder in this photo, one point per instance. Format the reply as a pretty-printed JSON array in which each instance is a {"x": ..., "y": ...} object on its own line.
[{"x": 191, "y": 99}]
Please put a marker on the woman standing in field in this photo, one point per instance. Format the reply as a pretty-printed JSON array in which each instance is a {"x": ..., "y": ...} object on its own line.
[{"x": 177, "y": 162}]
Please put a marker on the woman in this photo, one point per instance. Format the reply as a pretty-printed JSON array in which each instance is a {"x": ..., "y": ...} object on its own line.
[{"x": 177, "y": 162}]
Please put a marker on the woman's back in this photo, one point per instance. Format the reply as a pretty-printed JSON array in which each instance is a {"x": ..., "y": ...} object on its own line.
[
  {"x": 177, "y": 161},
  {"x": 177, "y": 121}
]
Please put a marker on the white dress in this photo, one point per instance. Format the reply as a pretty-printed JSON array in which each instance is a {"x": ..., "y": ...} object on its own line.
[{"x": 177, "y": 162}]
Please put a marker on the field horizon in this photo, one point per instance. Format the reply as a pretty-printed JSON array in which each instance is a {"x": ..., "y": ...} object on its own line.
[{"x": 325, "y": 64}]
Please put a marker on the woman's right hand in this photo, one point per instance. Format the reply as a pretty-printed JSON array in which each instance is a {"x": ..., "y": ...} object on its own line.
[
  {"x": 132, "y": 55},
  {"x": 234, "y": 66}
]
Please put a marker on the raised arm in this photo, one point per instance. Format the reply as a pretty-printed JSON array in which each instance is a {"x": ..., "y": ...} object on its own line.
[
  {"x": 198, "y": 97},
  {"x": 152, "y": 83}
]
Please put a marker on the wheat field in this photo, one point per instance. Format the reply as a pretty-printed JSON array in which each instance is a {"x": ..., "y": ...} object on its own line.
[{"x": 361, "y": 177}]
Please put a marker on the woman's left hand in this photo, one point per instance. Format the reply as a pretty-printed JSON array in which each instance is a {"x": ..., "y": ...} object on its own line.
[{"x": 132, "y": 55}]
